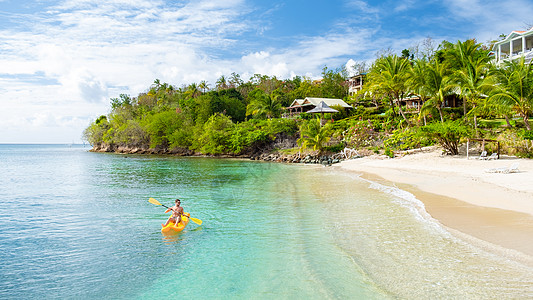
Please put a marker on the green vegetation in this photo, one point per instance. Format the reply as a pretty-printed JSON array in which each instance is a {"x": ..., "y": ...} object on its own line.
[{"x": 238, "y": 117}]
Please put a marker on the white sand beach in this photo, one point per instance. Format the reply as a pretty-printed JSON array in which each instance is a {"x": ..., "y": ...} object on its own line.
[{"x": 462, "y": 195}]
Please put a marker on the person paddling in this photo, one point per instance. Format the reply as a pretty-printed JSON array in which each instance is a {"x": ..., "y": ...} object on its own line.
[{"x": 177, "y": 212}]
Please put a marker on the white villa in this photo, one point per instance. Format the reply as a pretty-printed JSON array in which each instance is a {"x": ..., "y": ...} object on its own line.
[
  {"x": 515, "y": 45},
  {"x": 355, "y": 83}
]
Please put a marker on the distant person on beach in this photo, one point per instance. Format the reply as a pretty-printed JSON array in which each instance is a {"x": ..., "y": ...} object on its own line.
[{"x": 177, "y": 211}]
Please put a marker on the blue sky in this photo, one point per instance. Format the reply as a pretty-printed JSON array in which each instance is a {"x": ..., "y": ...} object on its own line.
[{"x": 61, "y": 61}]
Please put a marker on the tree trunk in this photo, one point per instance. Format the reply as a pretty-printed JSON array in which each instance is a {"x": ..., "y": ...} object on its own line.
[
  {"x": 526, "y": 121},
  {"x": 399, "y": 96},
  {"x": 403, "y": 115},
  {"x": 508, "y": 121},
  {"x": 392, "y": 106},
  {"x": 464, "y": 108},
  {"x": 440, "y": 113}
]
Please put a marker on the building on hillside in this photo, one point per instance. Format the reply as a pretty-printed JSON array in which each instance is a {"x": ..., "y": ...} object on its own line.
[
  {"x": 412, "y": 103},
  {"x": 515, "y": 45},
  {"x": 355, "y": 83},
  {"x": 453, "y": 100},
  {"x": 304, "y": 105}
]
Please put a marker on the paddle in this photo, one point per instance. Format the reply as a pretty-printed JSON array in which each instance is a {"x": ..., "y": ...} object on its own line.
[{"x": 153, "y": 201}]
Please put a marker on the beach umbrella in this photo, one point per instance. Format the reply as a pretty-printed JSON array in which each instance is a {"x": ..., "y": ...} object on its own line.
[{"x": 322, "y": 108}]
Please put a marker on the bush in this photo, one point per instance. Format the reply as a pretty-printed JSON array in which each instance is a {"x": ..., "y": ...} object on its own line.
[
  {"x": 410, "y": 138},
  {"x": 452, "y": 113},
  {"x": 276, "y": 126},
  {"x": 213, "y": 137},
  {"x": 244, "y": 135},
  {"x": 519, "y": 143},
  {"x": 448, "y": 134},
  {"x": 389, "y": 153},
  {"x": 526, "y": 134},
  {"x": 161, "y": 126},
  {"x": 360, "y": 134}
]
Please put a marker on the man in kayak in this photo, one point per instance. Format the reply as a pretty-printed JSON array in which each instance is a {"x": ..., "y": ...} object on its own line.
[{"x": 177, "y": 211}]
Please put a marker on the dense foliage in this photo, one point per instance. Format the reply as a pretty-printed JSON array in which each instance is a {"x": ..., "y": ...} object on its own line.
[{"x": 237, "y": 117}]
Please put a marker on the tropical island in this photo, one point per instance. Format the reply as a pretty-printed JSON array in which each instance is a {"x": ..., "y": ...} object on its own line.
[{"x": 444, "y": 96}]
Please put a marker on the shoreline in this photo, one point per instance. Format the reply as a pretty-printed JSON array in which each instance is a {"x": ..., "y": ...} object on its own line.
[{"x": 492, "y": 207}]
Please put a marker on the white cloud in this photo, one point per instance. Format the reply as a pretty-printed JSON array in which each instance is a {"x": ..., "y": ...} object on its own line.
[
  {"x": 92, "y": 50},
  {"x": 58, "y": 72},
  {"x": 309, "y": 55},
  {"x": 362, "y": 6},
  {"x": 404, "y": 5},
  {"x": 492, "y": 17}
]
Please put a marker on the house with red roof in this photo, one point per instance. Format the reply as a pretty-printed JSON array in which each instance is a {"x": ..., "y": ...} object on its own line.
[{"x": 515, "y": 45}]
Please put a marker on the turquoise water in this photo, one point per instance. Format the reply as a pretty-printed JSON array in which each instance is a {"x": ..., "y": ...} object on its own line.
[{"x": 77, "y": 224}]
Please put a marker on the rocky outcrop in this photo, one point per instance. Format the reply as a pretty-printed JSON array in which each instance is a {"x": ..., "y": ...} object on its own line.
[
  {"x": 268, "y": 151},
  {"x": 297, "y": 158},
  {"x": 140, "y": 149}
]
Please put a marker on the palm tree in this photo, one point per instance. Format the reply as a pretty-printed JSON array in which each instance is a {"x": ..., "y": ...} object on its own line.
[
  {"x": 471, "y": 63},
  {"x": 203, "y": 86},
  {"x": 438, "y": 85},
  {"x": 193, "y": 90},
  {"x": 235, "y": 80},
  {"x": 222, "y": 83},
  {"x": 515, "y": 88},
  {"x": 313, "y": 135},
  {"x": 263, "y": 104},
  {"x": 417, "y": 83},
  {"x": 390, "y": 74},
  {"x": 156, "y": 84}
]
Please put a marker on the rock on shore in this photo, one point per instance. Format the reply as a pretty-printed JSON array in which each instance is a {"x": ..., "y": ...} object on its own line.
[{"x": 267, "y": 153}]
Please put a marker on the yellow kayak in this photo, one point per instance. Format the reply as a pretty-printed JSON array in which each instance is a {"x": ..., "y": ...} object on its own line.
[{"x": 172, "y": 228}]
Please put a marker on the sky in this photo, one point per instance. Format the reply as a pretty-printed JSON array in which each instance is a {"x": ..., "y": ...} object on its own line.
[{"x": 62, "y": 61}]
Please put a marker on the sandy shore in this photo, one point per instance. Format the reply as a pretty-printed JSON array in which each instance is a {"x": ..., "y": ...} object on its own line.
[{"x": 462, "y": 195}]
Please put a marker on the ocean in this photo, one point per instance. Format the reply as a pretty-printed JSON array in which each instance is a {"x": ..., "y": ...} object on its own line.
[{"x": 77, "y": 224}]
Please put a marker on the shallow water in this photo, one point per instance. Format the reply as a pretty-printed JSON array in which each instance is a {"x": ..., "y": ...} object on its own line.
[{"x": 77, "y": 224}]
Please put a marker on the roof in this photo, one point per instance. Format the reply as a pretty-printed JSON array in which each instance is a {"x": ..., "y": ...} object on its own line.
[
  {"x": 297, "y": 102},
  {"x": 328, "y": 101},
  {"x": 322, "y": 108},
  {"x": 512, "y": 35},
  {"x": 358, "y": 75}
]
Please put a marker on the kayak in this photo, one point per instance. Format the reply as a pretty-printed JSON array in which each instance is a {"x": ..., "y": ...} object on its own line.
[{"x": 172, "y": 228}]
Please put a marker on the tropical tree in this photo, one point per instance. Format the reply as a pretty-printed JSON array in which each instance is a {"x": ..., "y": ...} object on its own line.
[
  {"x": 390, "y": 76},
  {"x": 157, "y": 84},
  {"x": 418, "y": 84},
  {"x": 472, "y": 64},
  {"x": 203, "y": 86},
  {"x": 261, "y": 104},
  {"x": 235, "y": 80},
  {"x": 313, "y": 135},
  {"x": 333, "y": 83},
  {"x": 193, "y": 91},
  {"x": 515, "y": 88},
  {"x": 221, "y": 83},
  {"x": 437, "y": 85}
]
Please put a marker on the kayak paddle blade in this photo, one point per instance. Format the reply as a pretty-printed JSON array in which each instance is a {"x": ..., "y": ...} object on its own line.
[
  {"x": 195, "y": 220},
  {"x": 153, "y": 201}
]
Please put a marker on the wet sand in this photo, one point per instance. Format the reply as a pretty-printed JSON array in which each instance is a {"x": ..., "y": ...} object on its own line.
[{"x": 462, "y": 195}]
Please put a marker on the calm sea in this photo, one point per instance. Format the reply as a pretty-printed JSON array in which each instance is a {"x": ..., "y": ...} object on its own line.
[{"x": 75, "y": 224}]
